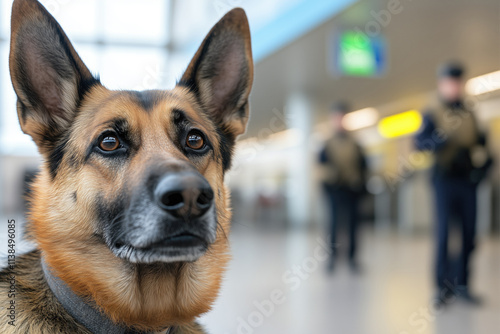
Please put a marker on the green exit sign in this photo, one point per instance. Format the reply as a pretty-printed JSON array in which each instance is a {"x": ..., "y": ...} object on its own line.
[{"x": 359, "y": 55}]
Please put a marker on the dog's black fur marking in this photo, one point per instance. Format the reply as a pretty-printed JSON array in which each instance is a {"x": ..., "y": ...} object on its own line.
[
  {"x": 227, "y": 141},
  {"x": 179, "y": 118},
  {"x": 147, "y": 99},
  {"x": 181, "y": 122},
  {"x": 24, "y": 110},
  {"x": 56, "y": 155},
  {"x": 110, "y": 213}
]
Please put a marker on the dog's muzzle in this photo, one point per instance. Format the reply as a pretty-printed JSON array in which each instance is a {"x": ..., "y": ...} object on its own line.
[{"x": 173, "y": 221}]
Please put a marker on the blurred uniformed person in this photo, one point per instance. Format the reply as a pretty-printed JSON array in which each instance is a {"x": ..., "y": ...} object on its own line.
[
  {"x": 450, "y": 131},
  {"x": 344, "y": 168}
]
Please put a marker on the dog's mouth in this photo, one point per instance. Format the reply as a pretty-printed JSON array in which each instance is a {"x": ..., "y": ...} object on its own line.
[{"x": 181, "y": 247}]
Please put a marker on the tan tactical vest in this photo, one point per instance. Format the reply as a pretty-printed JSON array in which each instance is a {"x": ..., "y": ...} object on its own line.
[
  {"x": 343, "y": 165},
  {"x": 460, "y": 130}
]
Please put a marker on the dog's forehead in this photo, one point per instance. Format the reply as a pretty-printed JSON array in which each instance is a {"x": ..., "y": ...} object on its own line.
[{"x": 142, "y": 110}]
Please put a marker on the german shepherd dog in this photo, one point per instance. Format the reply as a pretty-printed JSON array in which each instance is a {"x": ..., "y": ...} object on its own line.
[{"x": 129, "y": 212}]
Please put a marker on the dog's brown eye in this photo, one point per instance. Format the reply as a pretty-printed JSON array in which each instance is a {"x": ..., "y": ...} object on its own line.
[
  {"x": 195, "y": 140},
  {"x": 109, "y": 143}
]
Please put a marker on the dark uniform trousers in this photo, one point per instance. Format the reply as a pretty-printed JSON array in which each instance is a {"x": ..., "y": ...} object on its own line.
[
  {"x": 344, "y": 208},
  {"x": 454, "y": 196}
]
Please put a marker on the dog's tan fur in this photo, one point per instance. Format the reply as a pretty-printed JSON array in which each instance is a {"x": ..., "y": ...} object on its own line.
[
  {"x": 127, "y": 293},
  {"x": 63, "y": 218}
]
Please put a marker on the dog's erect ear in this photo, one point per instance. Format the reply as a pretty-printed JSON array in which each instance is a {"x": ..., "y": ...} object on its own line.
[
  {"x": 47, "y": 74},
  {"x": 221, "y": 72}
]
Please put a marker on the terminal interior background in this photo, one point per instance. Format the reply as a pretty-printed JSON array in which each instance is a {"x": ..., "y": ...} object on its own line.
[{"x": 304, "y": 61}]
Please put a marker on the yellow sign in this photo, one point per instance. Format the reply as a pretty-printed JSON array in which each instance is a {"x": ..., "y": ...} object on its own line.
[{"x": 401, "y": 124}]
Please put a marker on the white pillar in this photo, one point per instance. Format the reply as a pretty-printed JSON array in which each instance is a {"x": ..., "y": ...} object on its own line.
[{"x": 299, "y": 111}]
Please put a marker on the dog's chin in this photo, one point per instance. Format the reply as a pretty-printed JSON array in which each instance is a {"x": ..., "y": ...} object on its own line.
[{"x": 180, "y": 248}]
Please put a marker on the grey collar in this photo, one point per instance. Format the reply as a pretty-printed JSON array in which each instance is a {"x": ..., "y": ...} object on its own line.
[{"x": 83, "y": 312}]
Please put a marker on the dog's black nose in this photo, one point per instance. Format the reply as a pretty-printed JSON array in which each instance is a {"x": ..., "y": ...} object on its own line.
[{"x": 184, "y": 194}]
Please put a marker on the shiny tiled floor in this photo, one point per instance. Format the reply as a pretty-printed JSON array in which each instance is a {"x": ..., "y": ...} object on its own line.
[{"x": 276, "y": 284}]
